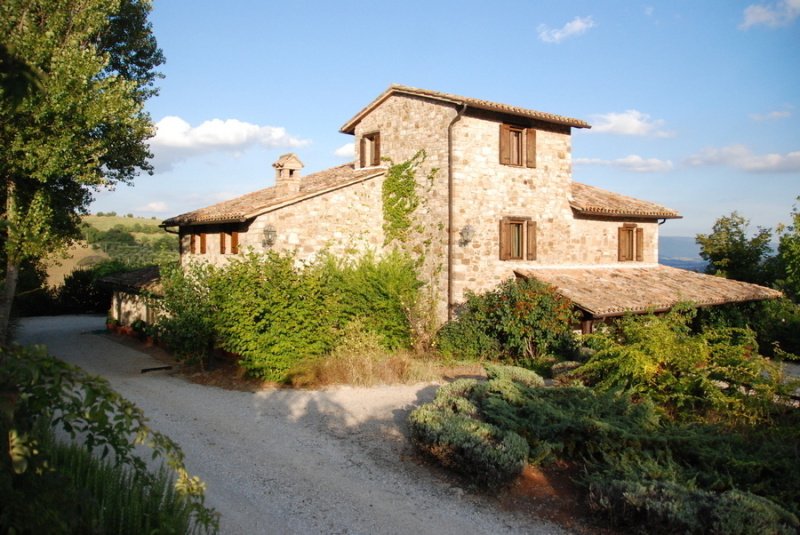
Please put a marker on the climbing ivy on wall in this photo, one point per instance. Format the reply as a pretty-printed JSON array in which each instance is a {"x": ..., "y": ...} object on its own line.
[{"x": 400, "y": 199}]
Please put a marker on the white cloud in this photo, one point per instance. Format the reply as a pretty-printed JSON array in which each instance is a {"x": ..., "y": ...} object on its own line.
[
  {"x": 177, "y": 140},
  {"x": 772, "y": 115},
  {"x": 576, "y": 26},
  {"x": 157, "y": 206},
  {"x": 629, "y": 123},
  {"x": 632, "y": 163},
  {"x": 742, "y": 158},
  {"x": 348, "y": 150},
  {"x": 774, "y": 15}
]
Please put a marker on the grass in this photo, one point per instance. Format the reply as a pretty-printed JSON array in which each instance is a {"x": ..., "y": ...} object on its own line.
[{"x": 108, "y": 222}]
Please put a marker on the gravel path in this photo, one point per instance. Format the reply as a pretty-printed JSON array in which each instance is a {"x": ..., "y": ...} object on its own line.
[{"x": 288, "y": 461}]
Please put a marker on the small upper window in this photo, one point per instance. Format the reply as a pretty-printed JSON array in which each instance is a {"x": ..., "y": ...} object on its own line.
[
  {"x": 631, "y": 243},
  {"x": 517, "y": 146},
  {"x": 517, "y": 238},
  {"x": 370, "y": 149}
]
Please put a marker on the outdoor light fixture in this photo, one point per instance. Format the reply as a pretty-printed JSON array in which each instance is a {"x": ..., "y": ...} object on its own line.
[
  {"x": 269, "y": 236},
  {"x": 467, "y": 233}
]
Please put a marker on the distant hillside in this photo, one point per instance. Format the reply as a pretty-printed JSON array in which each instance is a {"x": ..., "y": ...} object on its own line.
[{"x": 680, "y": 251}]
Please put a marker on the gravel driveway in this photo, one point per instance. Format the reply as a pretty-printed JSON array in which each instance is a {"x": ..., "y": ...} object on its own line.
[{"x": 289, "y": 461}]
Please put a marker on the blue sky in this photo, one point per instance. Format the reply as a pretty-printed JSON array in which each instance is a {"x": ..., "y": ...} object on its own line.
[{"x": 694, "y": 104}]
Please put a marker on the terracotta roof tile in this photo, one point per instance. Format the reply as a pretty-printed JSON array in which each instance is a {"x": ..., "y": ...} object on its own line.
[
  {"x": 349, "y": 126},
  {"x": 252, "y": 204},
  {"x": 590, "y": 200},
  {"x": 147, "y": 279},
  {"x": 612, "y": 291}
]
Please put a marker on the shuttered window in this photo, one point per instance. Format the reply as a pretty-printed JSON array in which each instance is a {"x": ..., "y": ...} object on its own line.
[
  {"x": 630, "y": 243},
  {"x": 193, "y": 243},
  {"x": 222, "y": 243},
  {"x": 517, "y": 146},
  {"x": 370, "y": 150},
  {"x": 234, "y": 242},
  {"x": 202, "y": 243},
  {"x": 517, "y": 238}
]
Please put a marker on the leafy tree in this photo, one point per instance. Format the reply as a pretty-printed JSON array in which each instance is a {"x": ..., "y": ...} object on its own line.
[
  {"x": 730, "y": 253},
  {"x": 789, "y": 253},
  {"x": 78, "y": 125}
]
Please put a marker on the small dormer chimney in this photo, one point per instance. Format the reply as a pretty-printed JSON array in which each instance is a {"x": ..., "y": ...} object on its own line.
[{"x": 287, "y": 174}]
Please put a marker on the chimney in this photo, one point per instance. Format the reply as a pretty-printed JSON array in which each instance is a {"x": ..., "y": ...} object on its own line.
[{"x": 287, "y": 175}]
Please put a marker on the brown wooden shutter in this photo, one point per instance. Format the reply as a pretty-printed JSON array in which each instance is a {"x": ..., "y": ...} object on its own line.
[
  {"x": 505, "y": 239},
  {"x": 639, "y": 244},
  {"x": 362, "y": 152},
  {"x": 505, "y": 144},
  {"x": 376, "y": 149},
  {"x": 234, "y": 242},
  {"x": 624, "y": 244},
  {"x": 222, "y": 242},
  {"x": 202, "y": 243},
  {"x": 530, "y": 147},
  {"x": 193, "y": 243},
  {"x": 531, "y": 238}
]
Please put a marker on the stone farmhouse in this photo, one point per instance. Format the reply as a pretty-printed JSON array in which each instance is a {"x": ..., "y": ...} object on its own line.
[{"x": 501, "y": 203}]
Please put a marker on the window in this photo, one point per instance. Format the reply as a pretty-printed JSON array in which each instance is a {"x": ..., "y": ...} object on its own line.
[
  {"x": 517, "y": 238},
  {"x": 631, "y": 243},
  {"x": 193, "y": 243},
  {"x": 517, "y": 146},
  {"x": 370, "y": 150},
  {"x": 202, "y": 243},
  {"x": 234, "y": 242}
]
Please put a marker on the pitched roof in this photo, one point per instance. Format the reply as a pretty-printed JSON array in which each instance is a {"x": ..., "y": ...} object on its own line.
[
  {"x": 395, "y": 89},
  {"x": 590, "y": 200},
  {"x": 253, "y": 204},
  {"x": 605, "y": 291},
  {"x": 146, "y": 279}
]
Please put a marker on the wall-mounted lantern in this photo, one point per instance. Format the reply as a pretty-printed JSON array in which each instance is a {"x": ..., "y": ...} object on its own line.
[
  {"x": 269, "y": 236},
  {"x": 466, "y": 233}
]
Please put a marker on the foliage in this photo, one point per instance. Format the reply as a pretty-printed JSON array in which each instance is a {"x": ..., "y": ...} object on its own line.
[
  {"x": 730, "y": 253},
  {"x": 789, "y": 253},
  {"x": 38, "y": 392},
  {"x": 400, "y": 198},
  {"x": 187, "y": 324},
  {"x": 82, "y": 126},
  {"x": 714, "y": 374},
  {"x": 380, "y": 293},
  {"x": 642, "y": 468},
  {"x": 120, "y": 243},
  {"x": 525, "y": 321},
  {"x": 273, "y": 312},
  {"x": 448, "y": 430}
]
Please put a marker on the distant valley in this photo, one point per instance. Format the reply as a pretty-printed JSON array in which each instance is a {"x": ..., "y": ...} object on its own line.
[{"x": 681, "y": 252}]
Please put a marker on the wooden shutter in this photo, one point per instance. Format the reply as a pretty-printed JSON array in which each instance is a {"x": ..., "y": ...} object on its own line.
[
  {"x": 639, "y": 244},
  {"x": 202, "y": 243},
  {"x": 222, "y": 242},
  {"x": 234, "y": 242},
  {"x": 505, "y": 144},
  {"x": 625, "y": 244},
  {"x": 530, "y": 253},
  {"x": 530, "y": 147},
  {"x": 505, "y": 239},
  {"x": 376, "y": 149},
  {"x": 362, "y": 152},
  {"x": 193, "y": 243}
]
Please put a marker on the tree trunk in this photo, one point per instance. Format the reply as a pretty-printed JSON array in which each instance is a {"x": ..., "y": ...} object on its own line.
[
  {"x": 12, "y": 266},
  {"x": 7, "y": 300}
]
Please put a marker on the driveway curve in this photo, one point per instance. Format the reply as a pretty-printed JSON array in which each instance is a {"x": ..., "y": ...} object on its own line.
[{"x": 289, "y": 461}]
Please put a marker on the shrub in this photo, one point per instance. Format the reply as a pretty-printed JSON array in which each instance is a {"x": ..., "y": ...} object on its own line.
[
  {"x": 39, "y": 393},
  {"x": 514, "y": 374},
  {"x": 526, "y": 320},
  {"x": 447, "y": 430}
]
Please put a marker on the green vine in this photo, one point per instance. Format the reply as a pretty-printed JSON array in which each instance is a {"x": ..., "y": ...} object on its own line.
[{"x": 400, "y": 198}]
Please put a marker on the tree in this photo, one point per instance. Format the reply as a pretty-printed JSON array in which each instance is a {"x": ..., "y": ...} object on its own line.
[
  {"x": 789, "y": 253},
  {"x": 77, "y": 125},
  {"x": 730, "y": 253}
]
